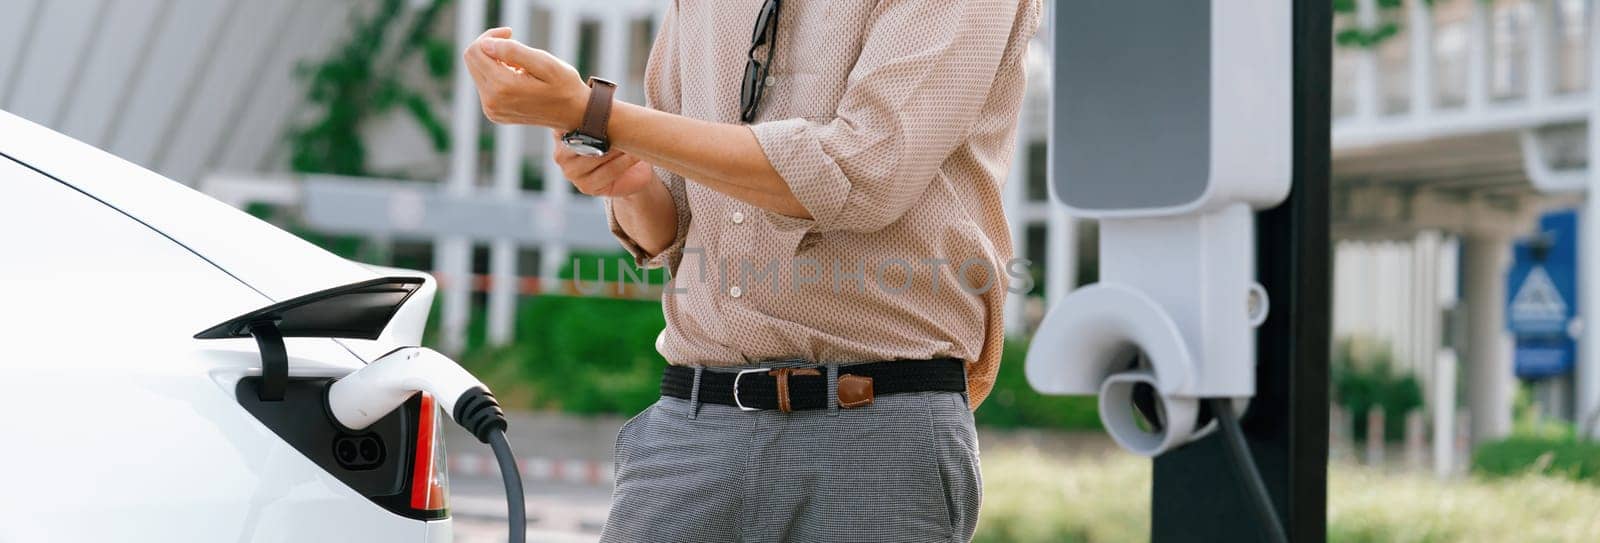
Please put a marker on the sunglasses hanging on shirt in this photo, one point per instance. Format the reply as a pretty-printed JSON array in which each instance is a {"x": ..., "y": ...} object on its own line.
[{"x": 757, "y": 69}]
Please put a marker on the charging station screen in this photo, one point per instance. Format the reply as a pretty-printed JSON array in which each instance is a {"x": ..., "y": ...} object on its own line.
[{"x": 1132, "y": 126}]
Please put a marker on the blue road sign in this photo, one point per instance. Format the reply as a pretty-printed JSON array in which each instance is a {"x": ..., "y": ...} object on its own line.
[
  {"x": 1542, "y": 297},
  {"x": 1540, "y": 357}
]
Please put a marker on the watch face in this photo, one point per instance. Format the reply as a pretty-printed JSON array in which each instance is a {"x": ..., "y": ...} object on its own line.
[{"x": 585, "y": 145}]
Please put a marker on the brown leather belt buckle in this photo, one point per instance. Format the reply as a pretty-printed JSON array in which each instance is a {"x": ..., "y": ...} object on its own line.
[
  {"x": 854, "y": 391},
  {"x": 782, "y": 375}
]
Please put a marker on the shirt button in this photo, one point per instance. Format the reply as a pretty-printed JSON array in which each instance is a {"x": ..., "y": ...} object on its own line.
[
  {"x": 772, "y": 80},
  {"x": 738, "y": 217},
  {"x": 735, "y": 291}
]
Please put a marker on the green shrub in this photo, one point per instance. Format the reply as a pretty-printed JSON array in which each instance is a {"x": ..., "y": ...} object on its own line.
[
  {"x": 578, "y": 355},
  {"x": 1363, "y": 378},
  {"x": 1013, "y": 403},
  {"x": 1567, "y": 457}
]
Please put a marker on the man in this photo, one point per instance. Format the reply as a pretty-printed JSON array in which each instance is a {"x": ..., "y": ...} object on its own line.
[{"x": 826, "y": 193}]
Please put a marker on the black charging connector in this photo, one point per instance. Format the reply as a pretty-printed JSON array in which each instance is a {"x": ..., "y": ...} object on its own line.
[{"x": 479, "y": 413}]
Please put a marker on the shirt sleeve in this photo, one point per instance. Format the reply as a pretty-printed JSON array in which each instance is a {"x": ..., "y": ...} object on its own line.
[
  {"x": 662, "y": 93},
  {"x": 671, "y": 255},
  {"x": 924, "y": 74}
]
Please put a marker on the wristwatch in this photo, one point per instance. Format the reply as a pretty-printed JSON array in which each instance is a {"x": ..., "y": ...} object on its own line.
[{"x": 590, "y": 139}]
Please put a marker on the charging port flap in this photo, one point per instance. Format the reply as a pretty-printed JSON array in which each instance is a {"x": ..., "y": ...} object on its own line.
[{"x": 356, "y": 311}]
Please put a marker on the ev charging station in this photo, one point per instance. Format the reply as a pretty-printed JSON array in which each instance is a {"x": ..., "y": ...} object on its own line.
[{"x": 1196, "y": 133}]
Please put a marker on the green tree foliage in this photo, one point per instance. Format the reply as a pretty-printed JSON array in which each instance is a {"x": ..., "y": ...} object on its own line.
[
  {"x": 372, "y": 73},
  {"x": 1367, "y": 38}
]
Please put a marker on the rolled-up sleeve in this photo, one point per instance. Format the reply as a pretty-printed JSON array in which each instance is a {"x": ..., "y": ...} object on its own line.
[
  {"x": 665, "y": 95},
  {"x": 924, "y": 74},
  {"x": 670, "y": 255}
]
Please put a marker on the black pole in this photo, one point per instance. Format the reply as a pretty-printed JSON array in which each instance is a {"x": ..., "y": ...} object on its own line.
[{"x": 1196, "y": 495}]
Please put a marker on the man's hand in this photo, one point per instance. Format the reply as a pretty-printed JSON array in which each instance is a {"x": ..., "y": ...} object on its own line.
[
  {"x": 616, "y": 174},
  {"x": 518, "y": 84}
]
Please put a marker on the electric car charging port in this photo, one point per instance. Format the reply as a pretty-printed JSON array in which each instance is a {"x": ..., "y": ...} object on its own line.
[
  {"x": 376, "y": 462},
  {"x": 359, "y": 452}
]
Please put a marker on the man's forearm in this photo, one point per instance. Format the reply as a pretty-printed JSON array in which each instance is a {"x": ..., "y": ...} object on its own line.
[
  {"x": 649, "y": 217},
  {"x": 723, "y": 157}
]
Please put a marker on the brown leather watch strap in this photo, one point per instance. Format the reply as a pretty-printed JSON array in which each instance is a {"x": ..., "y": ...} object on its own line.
[{"x": 598, "y": 113}]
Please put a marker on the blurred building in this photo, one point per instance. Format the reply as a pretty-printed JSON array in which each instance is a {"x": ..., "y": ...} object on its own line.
[
  {"x": 1457, "y": 123},
  {"x": 183, "y": 87}
]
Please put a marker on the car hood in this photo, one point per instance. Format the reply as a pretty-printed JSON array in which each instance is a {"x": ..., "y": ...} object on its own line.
[{"x": 273, "y": 262}]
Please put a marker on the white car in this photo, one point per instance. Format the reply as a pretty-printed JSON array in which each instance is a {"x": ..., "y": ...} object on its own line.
[{"x": 138, "y": 407}]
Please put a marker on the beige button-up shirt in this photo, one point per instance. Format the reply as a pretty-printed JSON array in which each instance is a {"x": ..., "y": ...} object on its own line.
[{"x": 893, "y": 122}]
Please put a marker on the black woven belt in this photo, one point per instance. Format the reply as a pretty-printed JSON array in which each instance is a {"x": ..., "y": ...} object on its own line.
[{"x": 759, "y": 388}]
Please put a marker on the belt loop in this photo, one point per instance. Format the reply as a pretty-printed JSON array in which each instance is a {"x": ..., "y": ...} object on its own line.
[
  {"x": 694, "y": 393},
  {"x": 833, "y": 390},
  {"x": 966, "y": 400}
]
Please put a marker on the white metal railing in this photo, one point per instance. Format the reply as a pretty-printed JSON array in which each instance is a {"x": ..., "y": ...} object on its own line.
[{"x": 1459, "y": 67}]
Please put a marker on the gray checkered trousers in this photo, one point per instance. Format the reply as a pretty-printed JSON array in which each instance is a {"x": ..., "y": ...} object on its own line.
[{"x": 903, "y": 469}]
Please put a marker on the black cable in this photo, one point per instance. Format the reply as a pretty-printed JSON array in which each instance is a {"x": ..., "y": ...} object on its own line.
[
  {"x": 1249, "y": 475},
  {"x": 516, "y": 511},
  {"x": 480, "y": 414}
]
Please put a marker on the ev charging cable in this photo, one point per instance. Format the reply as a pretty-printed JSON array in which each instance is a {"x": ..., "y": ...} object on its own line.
[
  {"x": 358, "y": 400},
  {"x": 1249, "y": 475}
]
